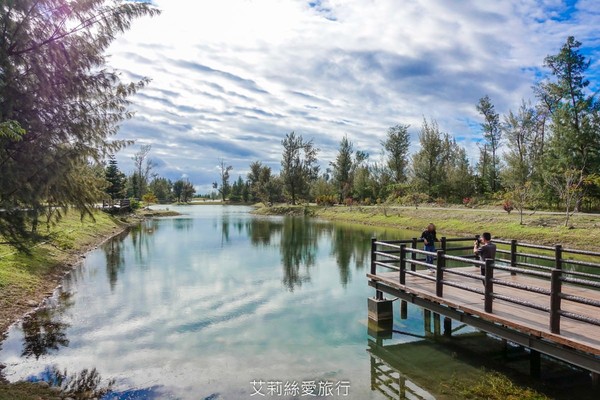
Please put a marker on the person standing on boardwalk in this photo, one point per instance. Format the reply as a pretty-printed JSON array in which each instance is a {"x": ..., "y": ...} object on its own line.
[
  {"x": 484, "y": 249},
  {"x": 429, "y": 238}
]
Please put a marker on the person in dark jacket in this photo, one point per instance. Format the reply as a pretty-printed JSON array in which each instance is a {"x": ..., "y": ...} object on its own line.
[
  {"x": 484, "y": 249},
  {"x": 429, "y": 238}
]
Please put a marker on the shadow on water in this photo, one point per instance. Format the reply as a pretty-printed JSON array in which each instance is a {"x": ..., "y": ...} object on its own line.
[
  {"x": 44, "y": 330},
  {"x": 449, "y": 366}
]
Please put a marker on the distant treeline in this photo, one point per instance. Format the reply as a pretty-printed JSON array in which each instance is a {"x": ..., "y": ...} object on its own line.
[{"x": 551, "y": 156}]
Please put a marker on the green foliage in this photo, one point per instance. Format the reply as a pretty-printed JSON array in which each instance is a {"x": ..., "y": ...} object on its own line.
[
  {"x": 149, "y": 198},
  {"x": 299, "y": 166},
  {"x": 344, "y": 167},
  {"x": 183, "y": 190},
  {"x": 59, "y": 104},
  {"x": 492, "y": 134},
  {"x": 162, "y": 189},
  {"x": 492, "y": 386},
  {"x": 116, "y": 180},
  {"x": 396, "y": 146},
  {"x": 326, "y": 200}
]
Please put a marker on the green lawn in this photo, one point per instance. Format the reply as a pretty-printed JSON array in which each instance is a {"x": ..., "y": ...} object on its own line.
[{"x": 539, "y": 228}]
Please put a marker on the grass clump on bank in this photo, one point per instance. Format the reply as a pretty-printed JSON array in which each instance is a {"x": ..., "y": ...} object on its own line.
[{"x": 491, "y": 386}]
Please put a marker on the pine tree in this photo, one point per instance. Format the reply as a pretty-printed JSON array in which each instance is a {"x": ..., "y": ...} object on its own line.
[
  {"x": 116, "y": 180},
  {"x": 298, "y": 166},
  {"x": 59, "y": 103}
]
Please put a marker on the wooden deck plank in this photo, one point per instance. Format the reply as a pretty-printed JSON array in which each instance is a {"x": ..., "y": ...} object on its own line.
[{"x": 577, "y": 334}]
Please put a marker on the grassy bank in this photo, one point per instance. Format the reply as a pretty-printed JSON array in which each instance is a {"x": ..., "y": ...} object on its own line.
[
  {"x": 26, "y": 279},
  {"x": 542, "y": 228}
]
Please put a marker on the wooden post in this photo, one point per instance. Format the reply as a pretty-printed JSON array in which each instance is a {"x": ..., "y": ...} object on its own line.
[
  {"x": 402, "y": 264},
  {"x": 373, "y": 255},
  {"x": 555, "y": 300},
  {"x": 513, "y": 255},
  {"x": 403, "y": 309},
  {"x": 535, "y": 363},
  {"x": 436, "y": 324},
  {"x": 444, "y": 244},
  {"x": 447, "y": 327},
  {"x": 413, "y": 255},
  {"x": 439, "y": 274},
  {"x": 489, "y": 285},
  {"x": 558, "y": 256},
  {"x": 427, "y": 322}
]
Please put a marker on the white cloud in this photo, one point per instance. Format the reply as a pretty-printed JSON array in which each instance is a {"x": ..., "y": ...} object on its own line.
[{"x": 231, "y": 78}]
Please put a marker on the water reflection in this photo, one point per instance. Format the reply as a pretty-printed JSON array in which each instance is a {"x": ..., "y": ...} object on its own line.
[
  {"x": 86, "y": 384},
  {"x": 141, "y": 239},
  {"x": 115, "y": 260},
  {"x": 299, "y": 242},
  {"x": 348, "y": 244},
  {"x": 44, "y": 330},
  {"x": 299, "y": 245}
]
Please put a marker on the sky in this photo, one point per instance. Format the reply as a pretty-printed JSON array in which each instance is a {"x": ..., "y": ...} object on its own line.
[{"x": 230, "y": 78}]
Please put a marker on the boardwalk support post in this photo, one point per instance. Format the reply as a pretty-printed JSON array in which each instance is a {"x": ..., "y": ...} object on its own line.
[
  {"x": 381, "y": 314},
  {"x": 555, "y": 300},
  {"x": 402, "y": 264},
  {"x": 447, "y": 327},
  {"x": 403, "y": 309},
  {"x": 513, "y": 255},
  {"x": 373, "y": 255},
  {"x": 558, "y": 256},
  {"x": 535, "y": 363},
  {"x": 413, "y": 255},
  {"x": 443, "y": 243},
  {"x": 439, "y": 274},
  {"x": 378, "y": 293},
  {"x": 489, "y": 285}
]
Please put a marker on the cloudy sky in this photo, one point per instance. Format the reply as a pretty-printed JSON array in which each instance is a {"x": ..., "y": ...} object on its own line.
[{"x": 231, "y": 77}]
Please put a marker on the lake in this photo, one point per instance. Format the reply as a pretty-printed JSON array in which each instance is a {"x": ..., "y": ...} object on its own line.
[
  {"x": 222, "y": 304},
  {"x": 203, "y": 304}
]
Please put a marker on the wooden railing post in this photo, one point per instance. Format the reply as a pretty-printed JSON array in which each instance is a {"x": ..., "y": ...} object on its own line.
[
  {"x": 413, "y": 255},
  {"x": 558, "y": 256},
  {"x": 373, "y": 255},
  {"x": 489, "y": 285},
  {"x": 443, "y": 243},
  {"x": 555, "y": 300},
  {"x": 402, "y": 264},
  {"x": 439, "y": 274},
  {"x": 513, "y": 255}
]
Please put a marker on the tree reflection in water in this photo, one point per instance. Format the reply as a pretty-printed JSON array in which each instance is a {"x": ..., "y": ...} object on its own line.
[
  {"x": 87, "y": 384},
  {"x": 141, "y": 239},
  {"x": 347, "y": 244},
  {"x": 298, "y": 244},
  {"x": 44, "y": 330},
  {"x": 115, "y": 261}
]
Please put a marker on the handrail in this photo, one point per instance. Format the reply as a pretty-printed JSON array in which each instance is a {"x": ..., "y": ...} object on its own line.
[{"x": 400, "y": 256}]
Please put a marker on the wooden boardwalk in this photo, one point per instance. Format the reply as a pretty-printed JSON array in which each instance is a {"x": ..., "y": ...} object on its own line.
[
  {"x": 575, "y": 334},
  {"x": 548, "y": 301}
]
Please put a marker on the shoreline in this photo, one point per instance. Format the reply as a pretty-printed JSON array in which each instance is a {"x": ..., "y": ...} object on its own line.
[
  {"x": 538, "y": 228},
  {"x": 51, "y": 280}
]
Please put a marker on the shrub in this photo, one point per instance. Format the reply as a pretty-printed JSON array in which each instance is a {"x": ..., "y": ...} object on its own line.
[
  {"x": 508, "y": 206},
  {"x": 440, "y": 202},
  {"x": 367, "y": 201},
  {"x": 348, "y": 201},
  {"x": 325, "y": 200}
]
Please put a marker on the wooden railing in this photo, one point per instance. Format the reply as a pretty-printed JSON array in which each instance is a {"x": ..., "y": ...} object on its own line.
[{"x": 404, "y": 257}]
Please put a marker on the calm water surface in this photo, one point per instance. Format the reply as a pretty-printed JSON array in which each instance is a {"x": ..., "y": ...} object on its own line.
[{"x": 200, "y": 305}]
